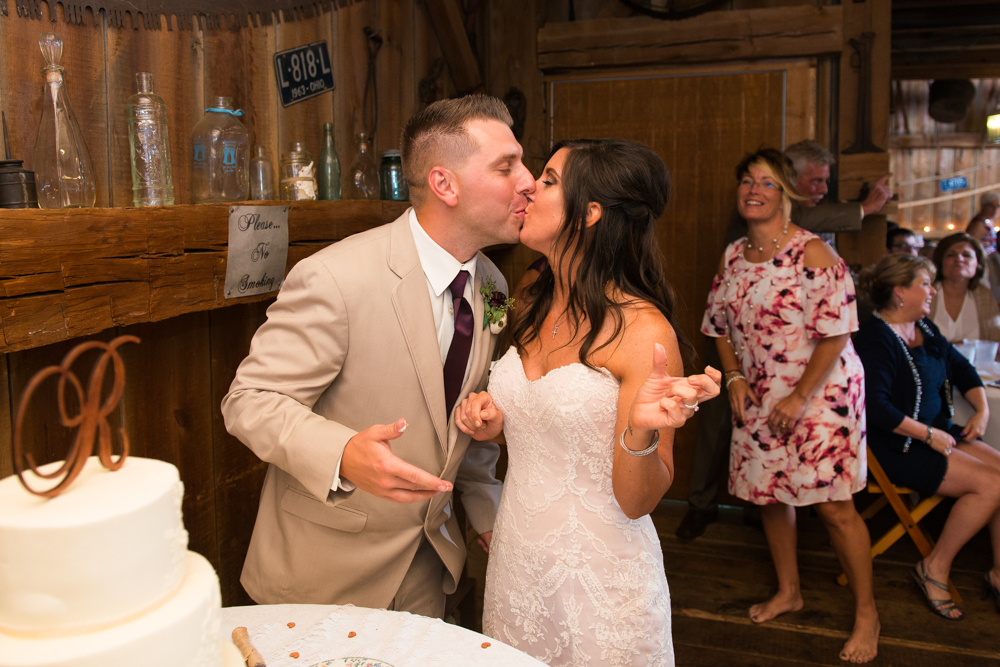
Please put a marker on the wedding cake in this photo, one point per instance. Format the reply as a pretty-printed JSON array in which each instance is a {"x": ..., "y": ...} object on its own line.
[{"x": 100, "y": 576}]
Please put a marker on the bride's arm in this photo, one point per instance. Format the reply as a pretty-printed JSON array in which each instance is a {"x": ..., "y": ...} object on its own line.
[{"x": 652, "y": 397}]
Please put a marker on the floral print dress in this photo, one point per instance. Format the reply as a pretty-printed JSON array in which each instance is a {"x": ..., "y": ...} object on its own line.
[{"x": 775, "y": 312}]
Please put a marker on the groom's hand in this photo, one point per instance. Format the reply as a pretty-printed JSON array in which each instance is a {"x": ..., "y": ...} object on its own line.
[{"x": 369, "y": 463}]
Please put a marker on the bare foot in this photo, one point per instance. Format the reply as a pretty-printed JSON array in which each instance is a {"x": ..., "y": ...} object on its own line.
[
  {"x": 863, "y": 643},
  {"x": 781, "y": 603}
]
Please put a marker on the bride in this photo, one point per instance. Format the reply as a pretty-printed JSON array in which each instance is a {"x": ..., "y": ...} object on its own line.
[{"x": 587, "y": 400}]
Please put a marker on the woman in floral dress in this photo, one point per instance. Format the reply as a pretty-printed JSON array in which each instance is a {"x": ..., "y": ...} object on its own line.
[{"x": 782, "y": 309}]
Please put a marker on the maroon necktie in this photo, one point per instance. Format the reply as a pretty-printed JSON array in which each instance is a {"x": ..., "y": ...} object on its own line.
[{"x": 458, "y": 353}]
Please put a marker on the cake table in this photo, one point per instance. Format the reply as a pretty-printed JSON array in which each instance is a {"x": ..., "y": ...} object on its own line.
[{"x": 398, "y": 639}]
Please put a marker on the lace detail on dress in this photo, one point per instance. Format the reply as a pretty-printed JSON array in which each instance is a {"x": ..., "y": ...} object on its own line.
[{"x": 571, "y": 580}]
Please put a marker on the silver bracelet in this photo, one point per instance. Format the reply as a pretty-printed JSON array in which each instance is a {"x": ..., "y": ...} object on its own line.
[
  {"x": 644, "y": 452},
  {"x": 930, "y": 435},
  {"x": 734, "y": 378}
]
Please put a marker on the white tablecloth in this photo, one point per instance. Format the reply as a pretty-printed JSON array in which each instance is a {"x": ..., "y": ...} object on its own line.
[
  {"x": 963, "y": 411},
  {"x": 397, "y": 638}
]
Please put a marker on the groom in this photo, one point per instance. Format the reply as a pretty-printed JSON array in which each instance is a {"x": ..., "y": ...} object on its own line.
[{"x": 350, "y": 386}]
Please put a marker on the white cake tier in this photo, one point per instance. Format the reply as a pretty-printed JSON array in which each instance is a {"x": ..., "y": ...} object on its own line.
[
  {"x": 108, "y": 549},
  {"x": 182, "y": 632}
]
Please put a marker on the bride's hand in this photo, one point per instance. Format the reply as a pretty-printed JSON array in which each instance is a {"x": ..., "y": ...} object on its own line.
[
  {"x": 479, "y": 417},
  {"x": 664, "y": 401}
]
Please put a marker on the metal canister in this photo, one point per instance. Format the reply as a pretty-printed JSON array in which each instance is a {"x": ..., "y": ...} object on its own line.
[
  {"x": 17, "y": 185},
  {"x": 391, "y": 179}
]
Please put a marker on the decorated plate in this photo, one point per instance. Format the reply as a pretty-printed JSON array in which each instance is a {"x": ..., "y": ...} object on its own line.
[{"x": 352, "y": 662}]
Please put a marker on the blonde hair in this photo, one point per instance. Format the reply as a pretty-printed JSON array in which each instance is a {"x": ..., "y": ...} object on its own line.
[
  {"x": 779, "y": 168},
  {"x": 892, "y": 271}
]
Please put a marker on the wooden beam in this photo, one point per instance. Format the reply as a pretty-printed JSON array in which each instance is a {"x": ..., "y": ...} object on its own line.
[
  {"x": 65, "y": 274},
  {"x": 976, "y": 63},
  {"x": 449, "y": 25},
  {"x": 943, "y": 140},
  {"x": 750, "y": 34}
]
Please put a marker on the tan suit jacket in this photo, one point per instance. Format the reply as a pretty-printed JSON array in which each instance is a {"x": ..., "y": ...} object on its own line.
[{"x": 351, "y": 342}]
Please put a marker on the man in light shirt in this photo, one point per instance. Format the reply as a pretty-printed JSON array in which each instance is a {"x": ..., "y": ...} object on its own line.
[{"x": 350, "y": 386}]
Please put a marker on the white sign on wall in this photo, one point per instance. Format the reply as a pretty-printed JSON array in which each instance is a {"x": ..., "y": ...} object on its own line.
[{"x": 258, "y": 250}]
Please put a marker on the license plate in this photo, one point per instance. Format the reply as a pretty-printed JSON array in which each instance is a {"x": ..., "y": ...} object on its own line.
[{"x": 303, "y": 72}]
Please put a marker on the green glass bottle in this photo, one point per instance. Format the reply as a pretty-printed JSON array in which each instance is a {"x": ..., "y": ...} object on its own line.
[{"x": 328, "y": 171}]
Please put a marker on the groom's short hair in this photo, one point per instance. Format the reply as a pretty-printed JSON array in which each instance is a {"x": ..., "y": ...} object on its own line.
[{"x": 437, "y": 136}]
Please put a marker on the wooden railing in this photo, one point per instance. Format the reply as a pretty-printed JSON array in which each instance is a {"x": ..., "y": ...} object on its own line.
[{"x": 71, "y": 273}]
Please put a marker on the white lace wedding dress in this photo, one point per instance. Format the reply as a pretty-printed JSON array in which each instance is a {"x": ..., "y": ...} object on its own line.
[{"x": 571, "y": 580}]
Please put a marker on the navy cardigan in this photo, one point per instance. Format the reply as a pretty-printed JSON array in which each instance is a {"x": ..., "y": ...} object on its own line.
[{"x": 891, "y": 393}]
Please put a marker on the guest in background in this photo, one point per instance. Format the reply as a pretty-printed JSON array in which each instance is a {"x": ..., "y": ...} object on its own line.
[
  {"x": 909, "y": 368},
  {"x": 812, "y": 163},
  {"x": 903, "y": 241},
  {"x": 963, "y": 306},
  {"x": 928, "y": 250},
  {"x": 782, "y": 310},
  {"x": 981, "y": 225}
]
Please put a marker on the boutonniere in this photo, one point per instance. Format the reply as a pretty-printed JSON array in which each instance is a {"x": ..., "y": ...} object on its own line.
[{"x": 497, "y": 304}]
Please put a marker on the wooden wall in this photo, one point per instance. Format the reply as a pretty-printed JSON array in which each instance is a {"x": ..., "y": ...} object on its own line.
[
  {"x": 179, "y": 373},
  {"x": 924, "y": 151}
]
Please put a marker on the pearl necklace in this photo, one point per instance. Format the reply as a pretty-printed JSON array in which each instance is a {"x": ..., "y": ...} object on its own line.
[
  {"x": 913, "y": 368},
  {"x": 774, "y": 241},
  {"x": 756, "y": 284}
]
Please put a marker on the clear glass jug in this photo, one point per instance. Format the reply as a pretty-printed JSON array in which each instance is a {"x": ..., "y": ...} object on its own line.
[
  {"x": 152, "y": 181},
  {"x": 362, "y": 182},
  {"x": 64, "y": 172},
  {"x": 221, "y": 158}
]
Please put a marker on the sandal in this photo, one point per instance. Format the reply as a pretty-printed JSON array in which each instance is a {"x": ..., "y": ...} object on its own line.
[
  {"x": 940, "y": 607},
  {"x": 990, "y": 589}
]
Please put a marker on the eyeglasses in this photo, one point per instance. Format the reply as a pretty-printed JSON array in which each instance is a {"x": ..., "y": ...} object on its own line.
[{"x": 906, "y": 246}]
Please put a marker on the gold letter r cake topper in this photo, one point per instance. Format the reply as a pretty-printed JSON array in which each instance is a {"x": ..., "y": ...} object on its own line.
[{"x": 92, "y": 420}]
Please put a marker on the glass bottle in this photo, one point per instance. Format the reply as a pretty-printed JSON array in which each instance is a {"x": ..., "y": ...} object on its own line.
[
  {"x": 363, "y": 177},
  {"x": 64, "y": 172},
  {"x": 148, "y": 139},
  {"x": 328, "y": 170},
  {"x": 261, "y": 176},
  {"x": 297, "y": 180},
  {"x": 391, "y": 176},
  {"x": 221, "y": 159}
]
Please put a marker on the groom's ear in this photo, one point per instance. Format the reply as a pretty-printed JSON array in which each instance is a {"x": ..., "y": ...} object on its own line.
[{"x": 443, "y": 185}]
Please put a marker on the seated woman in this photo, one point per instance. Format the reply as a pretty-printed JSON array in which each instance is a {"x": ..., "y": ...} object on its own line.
[
  {"x": 963, "y": 307},
  {"x": 909, "y": 368}
]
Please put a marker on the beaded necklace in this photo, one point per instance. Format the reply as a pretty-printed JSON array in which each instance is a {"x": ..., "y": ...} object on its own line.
[
  {"x": 913, "y": 367},
  {"x": 755, "y": 285}
]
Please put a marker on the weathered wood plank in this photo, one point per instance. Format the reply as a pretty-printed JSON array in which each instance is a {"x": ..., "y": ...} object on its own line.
[
  {"x": 167, "y": 410},
  {"x": 239, "y": 474},
  {"x": 446, "y": 16},
  {"x": 74, "y": 273},
  {"x": 730, "y": 35}
]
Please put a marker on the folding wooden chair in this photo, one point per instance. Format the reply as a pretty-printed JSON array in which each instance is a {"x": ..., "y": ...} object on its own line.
[{"x": 898, "y": 498}]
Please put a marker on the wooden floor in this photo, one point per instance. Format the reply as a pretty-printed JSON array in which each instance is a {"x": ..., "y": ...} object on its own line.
[{"x": 715, "y": 578}]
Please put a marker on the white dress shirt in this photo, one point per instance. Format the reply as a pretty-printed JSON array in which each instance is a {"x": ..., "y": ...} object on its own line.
[{"x": 440, "y": 268}]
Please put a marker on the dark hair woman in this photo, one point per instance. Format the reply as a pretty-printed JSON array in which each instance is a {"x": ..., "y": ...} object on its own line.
[
  {"x": 781, "y": 310},
  {"x": 909, "y": 370},
  {"x": 587, "y": 401},
  {"x": 963, "y": 306}
]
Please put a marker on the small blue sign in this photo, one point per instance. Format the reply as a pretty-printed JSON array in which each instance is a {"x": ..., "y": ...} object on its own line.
[{"x": 957, "y": 183}]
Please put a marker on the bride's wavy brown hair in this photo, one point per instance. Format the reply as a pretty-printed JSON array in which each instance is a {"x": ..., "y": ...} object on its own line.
[{"x": 619, "y": 254}]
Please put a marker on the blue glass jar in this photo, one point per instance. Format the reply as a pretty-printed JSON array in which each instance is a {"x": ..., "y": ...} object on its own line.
[{"x": 393, "y": 183}]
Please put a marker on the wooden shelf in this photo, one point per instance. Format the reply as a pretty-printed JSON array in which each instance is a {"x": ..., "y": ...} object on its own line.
[{"x": 71, "y": 273}]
